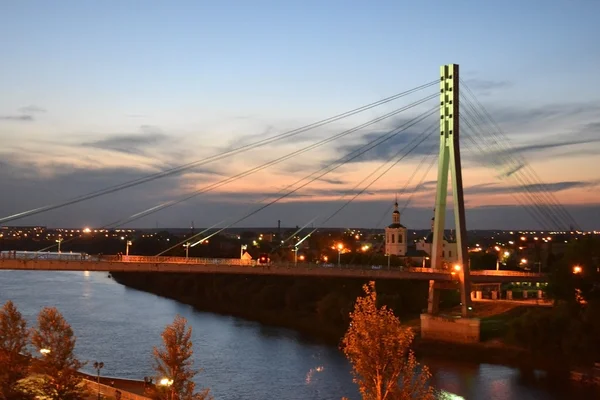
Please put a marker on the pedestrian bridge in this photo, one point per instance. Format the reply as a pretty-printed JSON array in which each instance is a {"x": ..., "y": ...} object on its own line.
[{"x": 68, "y": 262}]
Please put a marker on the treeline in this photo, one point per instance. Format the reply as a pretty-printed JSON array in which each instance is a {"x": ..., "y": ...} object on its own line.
[
  {"x": 567, "y": 334},
  {"x": 318, "y": 306},
  {"x": 51, "y": 372}
]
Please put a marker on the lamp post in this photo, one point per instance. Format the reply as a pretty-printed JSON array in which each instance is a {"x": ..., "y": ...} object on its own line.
[
  {"x": 340, "y": 247},
  {"x": 295, "y": 256},
  {"x": 98, "y": 366},
  {"x": 59, "y": 241},
  {"x": 242, "y": 248},
  {"x": 187, "y": 249},
  {"x": 127, "y": 244},
  {"x": 168, "y": 383}
]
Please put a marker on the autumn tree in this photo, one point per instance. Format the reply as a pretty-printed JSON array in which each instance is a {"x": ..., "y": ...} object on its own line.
[
  {"x": 174, "y": 365},
  {"x": 378, "y": 347},
  {"x": 14, "y": 358},
  {"x": 57, "y": 368}
]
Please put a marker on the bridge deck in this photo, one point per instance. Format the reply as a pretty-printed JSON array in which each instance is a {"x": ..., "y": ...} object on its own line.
[{"x": 151, "y": 264}]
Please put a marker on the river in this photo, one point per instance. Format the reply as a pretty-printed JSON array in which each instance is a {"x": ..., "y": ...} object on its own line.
[{"x": 241, "y": 359}]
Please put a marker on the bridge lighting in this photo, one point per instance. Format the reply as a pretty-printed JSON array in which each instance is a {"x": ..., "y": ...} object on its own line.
[{"x": 577, "y": 269}]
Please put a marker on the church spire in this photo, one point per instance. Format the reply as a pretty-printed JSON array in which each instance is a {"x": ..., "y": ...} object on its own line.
[{"x": 396, "y": 213}]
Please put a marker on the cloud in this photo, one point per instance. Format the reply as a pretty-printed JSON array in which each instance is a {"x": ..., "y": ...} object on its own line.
[
  {"x": 31, "y": 109},
  {"x": 26, "y": 114},
  {"x": 26, "y": 118},
  {"x": 492, "y": 188},
  {"x": 485, "y": 87},
  {"x": 388, "y": 143},
  {"x": 130, "y": 143}
]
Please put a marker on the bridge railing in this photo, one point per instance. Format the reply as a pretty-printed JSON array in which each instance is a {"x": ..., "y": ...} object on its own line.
[{"x": 67, "y": 257}]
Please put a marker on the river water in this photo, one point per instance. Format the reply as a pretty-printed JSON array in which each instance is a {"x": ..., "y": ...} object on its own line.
[{"x": 241, "y": 359}]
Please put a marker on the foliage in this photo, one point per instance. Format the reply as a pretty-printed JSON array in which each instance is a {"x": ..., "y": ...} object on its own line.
[
  {"x": 14, "y": 357},
  {"x": 378, "y": 347},
  {"x": 175, "y": 364},
  {"x": 57, "y": 368}
]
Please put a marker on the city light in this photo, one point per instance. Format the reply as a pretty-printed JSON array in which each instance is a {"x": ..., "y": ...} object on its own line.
[
  {"x": 523, "y": 261},
  {"x": 457, "y": 267},
  {"x": 165, "y": 382},
  {"x": 340, "y": 246},
  {"x": 577, "y": 269},
  {"x": 86, "y": 230},
  {"x": 506, "y": 254},
  {"x": 497, "y": 248},
  {"x": 44, "y": 351}
]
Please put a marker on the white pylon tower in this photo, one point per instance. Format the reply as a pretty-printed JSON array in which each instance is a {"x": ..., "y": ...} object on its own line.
[{"x": 449, "y": 159}]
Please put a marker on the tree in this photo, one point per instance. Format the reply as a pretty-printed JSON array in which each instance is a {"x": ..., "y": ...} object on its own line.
[
  {"x": 174, "y": 365},
  {"x": 378, "y": 347},
  {"x": 57, "y": 367},
  {"x": 14, "y": 358}
]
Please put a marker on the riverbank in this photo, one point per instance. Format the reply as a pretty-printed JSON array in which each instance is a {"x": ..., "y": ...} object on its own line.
[{"x": 318, "y": 308}]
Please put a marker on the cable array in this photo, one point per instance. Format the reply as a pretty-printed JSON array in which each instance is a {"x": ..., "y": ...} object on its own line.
[
  {"x": 541, "y": 204},
  {"x": 323, "y": 171},
  {"x": 419, "y": 139},
  {"x": 185, "y": 167}
]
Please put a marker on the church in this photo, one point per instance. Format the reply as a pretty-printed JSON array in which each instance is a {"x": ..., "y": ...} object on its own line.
[{"x": 396, "y": 242}]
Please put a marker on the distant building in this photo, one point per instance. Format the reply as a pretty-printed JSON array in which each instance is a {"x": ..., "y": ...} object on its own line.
[
  {"x": 396, "y": 235},
  {"x": 449, "y": 247}
]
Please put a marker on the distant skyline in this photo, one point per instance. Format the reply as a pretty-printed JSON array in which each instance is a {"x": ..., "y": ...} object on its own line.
[{"x": 98, "y": 93}]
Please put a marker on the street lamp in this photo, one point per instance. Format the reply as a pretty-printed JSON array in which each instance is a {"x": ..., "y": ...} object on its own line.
[
  {"x": 187, "y": 249},
  {"x": 127, "y": 244},
  {"x": 168, "y": 383},
  {"x": 98, "y": 366},
  {"x": 59, "y": 241},
  {"x": 577, "y": 269},
  {"x": 243, "y": 247},
  {"x": 45, "y": 351},
  {"x": 340, "y": 247},
  {"x": 295, "y": 256}
]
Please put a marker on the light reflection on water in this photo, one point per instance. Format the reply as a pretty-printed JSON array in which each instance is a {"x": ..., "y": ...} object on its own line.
[{"x": 241, "y": 359}]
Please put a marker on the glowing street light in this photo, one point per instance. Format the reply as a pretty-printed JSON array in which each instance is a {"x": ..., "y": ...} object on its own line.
[
  {"x": 187, "y": 249},
  {"x": 523, "y": 261},
  {"x": 59, "y": 241},
  {"x": 577, "y": 269},
  {"x": 165, "y": 382},
  {"x": 168, "y": 383},
  {"x": 127, "y": 244},
  {"x": 340, "y": 247},
  {"x": 45, "y": 351}
]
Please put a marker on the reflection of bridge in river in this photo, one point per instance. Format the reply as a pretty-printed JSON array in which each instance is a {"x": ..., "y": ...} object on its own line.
[{"x": 249, "y": 267}]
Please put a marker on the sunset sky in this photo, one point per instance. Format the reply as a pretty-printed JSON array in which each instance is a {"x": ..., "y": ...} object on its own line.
[{"x": 99, "y": 93}]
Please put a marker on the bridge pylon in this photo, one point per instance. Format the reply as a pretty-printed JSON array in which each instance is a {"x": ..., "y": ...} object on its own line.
[{"x": 449, "y": 161}]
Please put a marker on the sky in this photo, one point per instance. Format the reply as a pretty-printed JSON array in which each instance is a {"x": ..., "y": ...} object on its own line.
[{"x": 99, "y": 93}]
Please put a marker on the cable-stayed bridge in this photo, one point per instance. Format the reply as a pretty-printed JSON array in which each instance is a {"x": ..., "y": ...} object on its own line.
[{"x": 441, "y": 110}]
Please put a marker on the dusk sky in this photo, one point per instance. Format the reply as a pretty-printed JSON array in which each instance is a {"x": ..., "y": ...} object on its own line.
[{"x": 96, "y": 93}]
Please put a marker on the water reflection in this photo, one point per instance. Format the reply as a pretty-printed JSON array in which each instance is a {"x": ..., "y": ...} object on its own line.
[{"x": 241, "y": 359}]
